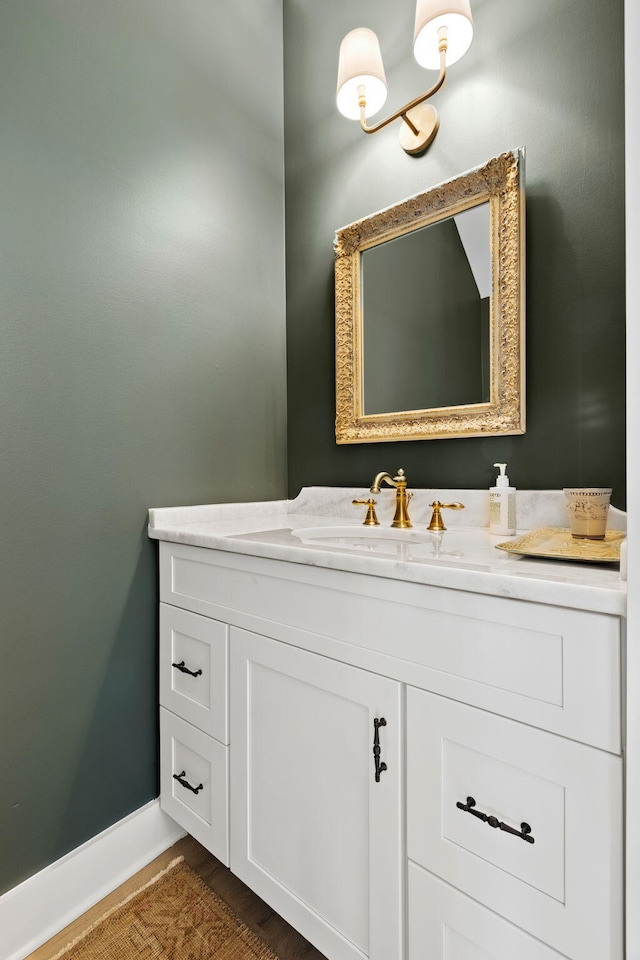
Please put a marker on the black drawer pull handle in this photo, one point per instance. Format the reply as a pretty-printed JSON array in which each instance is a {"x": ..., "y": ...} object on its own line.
[
  {"x": 376, "y": 747},
  {"x": 525, "y": 830},
  {"x": 185, "y": 783},
  {"x": 181, "y": 667}
]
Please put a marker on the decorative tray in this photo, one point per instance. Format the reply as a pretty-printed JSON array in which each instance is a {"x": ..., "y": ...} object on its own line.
[{"x": 556, "y": 543}]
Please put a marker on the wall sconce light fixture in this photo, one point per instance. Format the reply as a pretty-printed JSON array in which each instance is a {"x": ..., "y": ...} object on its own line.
[{"x": 443, "y": 34}]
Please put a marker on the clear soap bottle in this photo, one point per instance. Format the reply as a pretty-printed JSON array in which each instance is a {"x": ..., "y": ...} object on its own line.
[{"x": 502, "y": 505}]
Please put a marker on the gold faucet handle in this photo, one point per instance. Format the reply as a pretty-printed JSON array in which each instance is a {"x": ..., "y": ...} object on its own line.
[
  {"x": 370, "y": 520},
  {"x": 436, "y": 524}
]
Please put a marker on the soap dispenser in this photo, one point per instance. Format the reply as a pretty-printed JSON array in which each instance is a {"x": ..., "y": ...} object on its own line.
[{"x": 502, "y": 505}]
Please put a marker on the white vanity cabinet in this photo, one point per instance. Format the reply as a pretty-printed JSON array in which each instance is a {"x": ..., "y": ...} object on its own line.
[{"x": 502, "y": 727}]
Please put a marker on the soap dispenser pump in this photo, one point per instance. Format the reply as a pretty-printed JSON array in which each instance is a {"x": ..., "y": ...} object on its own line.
[{"x": 502, "y": 505}]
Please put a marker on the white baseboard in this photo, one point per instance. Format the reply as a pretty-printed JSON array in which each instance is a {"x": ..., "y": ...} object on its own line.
[{"x": 44, "y": 904}]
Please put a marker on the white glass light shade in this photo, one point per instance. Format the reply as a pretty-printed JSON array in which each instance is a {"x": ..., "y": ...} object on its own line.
[
  {"x": 455, "y": 15},
  {"x": 360, "y": 64}
]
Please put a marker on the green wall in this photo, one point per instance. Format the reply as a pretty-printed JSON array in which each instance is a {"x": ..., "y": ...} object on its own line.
[
  {"x": 142, "y": 363},
  {"x": 547, "y": 76}
]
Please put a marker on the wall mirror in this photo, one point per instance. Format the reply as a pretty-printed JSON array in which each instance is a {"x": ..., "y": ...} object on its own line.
[{"x": 430, "y": 312}]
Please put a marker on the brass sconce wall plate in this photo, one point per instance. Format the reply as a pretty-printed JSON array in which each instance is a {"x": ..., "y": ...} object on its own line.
[{"x": 384, "y": 358}]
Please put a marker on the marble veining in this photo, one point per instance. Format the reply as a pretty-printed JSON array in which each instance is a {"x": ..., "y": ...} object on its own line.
[{"x": 465, "y": 558}]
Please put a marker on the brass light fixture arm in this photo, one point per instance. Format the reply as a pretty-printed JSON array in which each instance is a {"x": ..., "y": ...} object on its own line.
[{"x": 402, "y": 112}]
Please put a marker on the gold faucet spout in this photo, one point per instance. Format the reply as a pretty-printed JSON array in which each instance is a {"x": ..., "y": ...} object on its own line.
[
  {"x": 377, "y": 480},
  {"x": 401, "y": 519}
]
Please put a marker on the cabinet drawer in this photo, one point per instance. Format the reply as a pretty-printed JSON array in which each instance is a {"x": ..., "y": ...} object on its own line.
[
  {"x": 565, "y": 887},
  {"x": 446, "y": 925},
  {"x": 199, "y": 799},
  {"x": 193, "y": 669}
]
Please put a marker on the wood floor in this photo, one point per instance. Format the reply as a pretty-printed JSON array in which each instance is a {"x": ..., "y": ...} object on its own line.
[{"x": 285, "y": 942}]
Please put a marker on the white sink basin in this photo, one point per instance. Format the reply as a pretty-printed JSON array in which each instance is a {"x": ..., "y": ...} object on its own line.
[
  {"x": 413, "y": 544},
  {"x": 386, "y": 540},
  {"x": 365, "y": 534}
]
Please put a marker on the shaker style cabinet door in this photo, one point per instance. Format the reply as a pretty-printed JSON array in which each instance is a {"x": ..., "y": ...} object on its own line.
[{"x": 316, "y": 821}]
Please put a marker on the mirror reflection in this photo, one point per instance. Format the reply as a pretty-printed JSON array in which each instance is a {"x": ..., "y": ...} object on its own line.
[{"x": 426, "y": 302}]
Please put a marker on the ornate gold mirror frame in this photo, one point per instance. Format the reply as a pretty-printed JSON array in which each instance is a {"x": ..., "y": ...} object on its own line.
[{"x": 498, "y": 182}]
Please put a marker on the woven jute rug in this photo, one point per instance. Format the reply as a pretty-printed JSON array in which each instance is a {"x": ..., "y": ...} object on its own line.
[{"x": 173, "y": 917}]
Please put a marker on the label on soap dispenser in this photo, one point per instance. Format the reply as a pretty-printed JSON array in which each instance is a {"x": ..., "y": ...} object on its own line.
[{"x": 502, "y": 512}]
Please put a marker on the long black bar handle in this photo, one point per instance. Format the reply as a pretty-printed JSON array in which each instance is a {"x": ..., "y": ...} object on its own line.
[
  {"x": 380, "y": 766},
  {"x": 185, "y": 783},
  {"x": 524, "y": 832},
  {"x": 181, "y": 667}
]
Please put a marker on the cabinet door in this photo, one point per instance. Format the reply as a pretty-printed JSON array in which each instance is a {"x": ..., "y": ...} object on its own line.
[{"x": 313, "y": 831}]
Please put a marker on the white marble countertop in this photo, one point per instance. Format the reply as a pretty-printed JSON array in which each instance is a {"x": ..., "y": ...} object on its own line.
[{"x": 463, "y": 558}]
